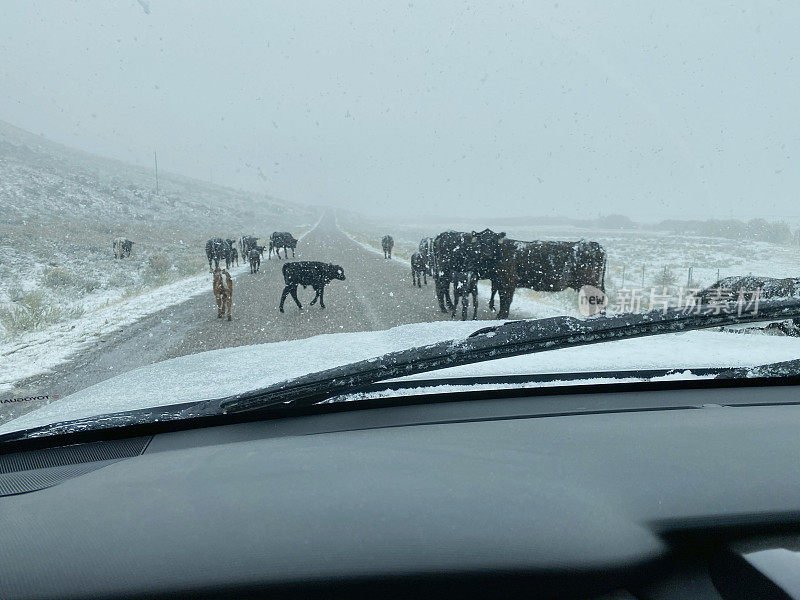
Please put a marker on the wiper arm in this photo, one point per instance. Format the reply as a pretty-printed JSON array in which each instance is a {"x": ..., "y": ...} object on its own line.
[
  {"x": 501, "y": 341},
  {"x": 490, "y": 343}
]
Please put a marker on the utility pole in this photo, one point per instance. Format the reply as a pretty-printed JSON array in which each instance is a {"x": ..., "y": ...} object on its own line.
[{"x": 155, "y": 159}]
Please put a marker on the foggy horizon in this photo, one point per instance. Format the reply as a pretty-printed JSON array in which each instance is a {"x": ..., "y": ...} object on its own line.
[{"x": 571, "y": 110}]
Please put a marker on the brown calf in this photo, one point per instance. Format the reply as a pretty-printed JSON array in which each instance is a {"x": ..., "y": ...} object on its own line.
[{"x": 223, "y": 291}]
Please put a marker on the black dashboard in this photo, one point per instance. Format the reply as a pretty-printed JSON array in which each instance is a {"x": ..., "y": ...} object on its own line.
[{"x": 680, "y": 493}]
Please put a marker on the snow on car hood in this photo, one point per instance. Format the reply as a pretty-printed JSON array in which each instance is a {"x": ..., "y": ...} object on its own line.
[{"x": 220, "y": 373}]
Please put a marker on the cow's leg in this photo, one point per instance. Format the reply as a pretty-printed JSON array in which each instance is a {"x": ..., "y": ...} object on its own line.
[
  {"x": 218, "y": 298},
  {"x": 491, "y": 298},
  {"x": 424, "y": 277},
  {"x": 447, "y": 296},
  {"x": 440, "y": 294},
  {"x": 464, "y": 306},
  {"x": 437, "y": 290},
  {"x": 316, "y": 295},
  {"x": 284, "y": 294},
  {"x": 293, "y": 292},
  {"x": 228, "y": 304},
  {"x": 322, "y": 297},
  {"x": 474, "y": 303},
  {"x": 506, "y": 296},
  {"x": 292, "y": 252}
]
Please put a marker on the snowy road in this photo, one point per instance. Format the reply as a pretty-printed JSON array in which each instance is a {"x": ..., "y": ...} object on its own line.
[{"x": 377, "y": 294}]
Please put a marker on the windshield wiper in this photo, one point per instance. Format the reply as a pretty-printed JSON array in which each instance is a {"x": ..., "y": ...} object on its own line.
[{"x": 489, "y": 343}]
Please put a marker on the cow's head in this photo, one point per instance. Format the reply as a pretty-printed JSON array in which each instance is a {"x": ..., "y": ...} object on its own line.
[
  {"x": 488, "y": 246},
  {"x": 337, "y": 272}
]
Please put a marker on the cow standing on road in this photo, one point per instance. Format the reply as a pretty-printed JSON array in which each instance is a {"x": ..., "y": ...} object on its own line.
[
  {"x": 246, "y": 242},
  {"x": 281, "y": 239},
  {"x": 255, "y": 260},
  {"x": 543, "y": 267},
  {"x": 457, "y": 252},
  {"x": 235, "y": 256},
  {"x": 465, "y": 284},
  {"x": 223, "y": 292},
  {"x": 217, "y": 249},
  {"x": 418, "y": 270},
  {"x": 305, "y": 273},
  {"x": 387, "y": 243},
  {"x": 426, "y": 249}
]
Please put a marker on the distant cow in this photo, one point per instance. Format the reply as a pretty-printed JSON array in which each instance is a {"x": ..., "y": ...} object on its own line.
[
  {"x": 223, "y": 292},
  {"x": 122, "y": 247},
  {"x": 543, "y": 266},
  {"x": 305, "y": 273},
  {"x": 235, "y": 256},
  {"x": 246, "y": 242},
  {"x": 218, "y": 249},
  {"x": 418, "y": 270},
  {"x": 261, "y": 250},
  {"x": 281, "y": 239},
  {"x": 387, "y": 243},
  {"x": 255, "y": 260}
]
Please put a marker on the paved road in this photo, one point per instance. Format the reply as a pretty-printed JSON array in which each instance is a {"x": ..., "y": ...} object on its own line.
[{"x": 377, "y": 294}]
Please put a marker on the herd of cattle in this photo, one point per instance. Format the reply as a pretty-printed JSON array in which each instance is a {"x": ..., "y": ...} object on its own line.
[
  {"x": 461, "y": 259},
  {"x": 225, "y": 249}
]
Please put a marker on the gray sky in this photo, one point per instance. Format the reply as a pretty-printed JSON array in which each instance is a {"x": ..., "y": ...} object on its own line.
[{"x": 653, "y": 109}]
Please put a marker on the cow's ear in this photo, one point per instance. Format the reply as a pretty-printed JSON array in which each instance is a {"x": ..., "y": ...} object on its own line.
[
  {"x": 474, "y": 239},
  {"x": 502, "y": 234}
]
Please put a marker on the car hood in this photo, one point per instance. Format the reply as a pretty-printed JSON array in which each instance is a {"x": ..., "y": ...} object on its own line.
[{"x": 230, "y": 371}]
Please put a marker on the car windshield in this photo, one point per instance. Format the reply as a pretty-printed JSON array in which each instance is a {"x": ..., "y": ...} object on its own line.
[{"x": 200, "y": 199}]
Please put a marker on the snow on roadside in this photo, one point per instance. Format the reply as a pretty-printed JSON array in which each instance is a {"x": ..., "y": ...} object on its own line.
[
  {"x": 37, "y": 352},
  {"x": 197, "y": 377}
]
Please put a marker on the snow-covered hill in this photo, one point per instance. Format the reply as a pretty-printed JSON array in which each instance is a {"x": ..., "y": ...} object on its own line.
[{"x": 61, "y": 208}]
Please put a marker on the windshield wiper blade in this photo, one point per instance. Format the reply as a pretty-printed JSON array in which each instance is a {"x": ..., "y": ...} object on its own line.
[
  {"x": 490, "y": 343},
  {"x": 513, "y": 338}
]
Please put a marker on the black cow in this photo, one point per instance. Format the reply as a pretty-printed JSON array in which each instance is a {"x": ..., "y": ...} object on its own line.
[
  {"x": 122, "y": 247},
  {"x": 217, "y": 249},
  {"x": 387, "y": 243},
  {"x": 465, "y": 284},
  {"x": 261, "y": 250},
  {"x": 426, "y": 249},
  {"x": 542, "y": 266},
  {"x": 255, "y": 260},
  {"x": 246, "y": 243},
  {"x": 458, "y": 252},
  {"x": 232, "y": 252},
  {"x": 418, "y": 270},
  {"x": 305, "y": 273},
  {"x": 281, "y": 239}
]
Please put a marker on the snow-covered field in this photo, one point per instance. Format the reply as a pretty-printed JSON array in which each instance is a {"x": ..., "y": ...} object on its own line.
[
  {"x": 198, "y": 376},
  {"x": 60, "y": 209}
]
